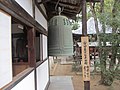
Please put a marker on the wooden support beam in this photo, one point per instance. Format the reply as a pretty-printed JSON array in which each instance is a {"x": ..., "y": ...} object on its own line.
[
  {"x": 69, "y": 2},
  {"x": 69, "y": 14},
  {"x": 43, "y": 1},
  {"x": 16, "y": 8},
  {"x": 39, "y": 27},
  {"x": 16, "y": 11},
  {"x": 71, "y": 6},
  {"x": 31, "y": 47},
  {"x": 5, "y": 7},
  {"x": 84, "y": 32},
  {"x": 84, "y": 18},
  {"x": 93, "y": 0},
  {"x": 71, "y": 11}
]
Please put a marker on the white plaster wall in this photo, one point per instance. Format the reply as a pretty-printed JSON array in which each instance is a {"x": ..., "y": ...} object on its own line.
[
  {"x": 26, "y": 84},
  {"x": 26, "y": 5},
  {"x": 42, "y": 76},
  {"x": 5, "y": 49},
  {"x": 42, "y": 6},
  {"x": 45, "y": 50},
  {"x": 40, "y": 18}
]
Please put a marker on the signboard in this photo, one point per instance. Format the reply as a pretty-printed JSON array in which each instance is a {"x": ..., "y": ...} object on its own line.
[{"x": 85, "y": 58}]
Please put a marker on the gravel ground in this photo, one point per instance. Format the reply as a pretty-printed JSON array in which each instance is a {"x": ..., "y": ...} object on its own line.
[{"x": 66, "y": 70}]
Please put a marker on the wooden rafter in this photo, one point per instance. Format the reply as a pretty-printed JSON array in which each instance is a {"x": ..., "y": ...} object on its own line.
[
  {"x": 43, "y": 1},
  {"x": 72, "y": 6},
  {"x": 93, "y": 0},
  {"x": 72, "y": 11},
  {"x": 73, "y": 2},
  {"x": 69, "y": 13}
]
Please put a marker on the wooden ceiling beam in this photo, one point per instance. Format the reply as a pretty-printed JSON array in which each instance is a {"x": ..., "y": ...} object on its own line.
[
  {"x": 69, "y": 13},
  {"x": 74, "y": 2},
  {"x": 93, "y": 0},
  {"x": 66, "y": 5},
  {"x": 70, "y": 2},
  {"x": 72, "y": 11},
  {"x": 43, "y": 1}
]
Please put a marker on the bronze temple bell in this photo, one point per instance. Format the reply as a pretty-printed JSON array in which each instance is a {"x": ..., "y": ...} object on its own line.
[{"x": 60, "y": 41}]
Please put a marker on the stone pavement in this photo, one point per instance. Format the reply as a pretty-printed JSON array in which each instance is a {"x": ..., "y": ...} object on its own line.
[{"x": 61, "y": 83}]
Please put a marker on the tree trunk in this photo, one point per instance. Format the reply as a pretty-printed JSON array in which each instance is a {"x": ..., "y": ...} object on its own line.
[
  {"x": 114, "y": 28},
  {"x": 97, "y": 30},
  {"x": 101, "y": 49},
  {"x": 104, "y": 54}
]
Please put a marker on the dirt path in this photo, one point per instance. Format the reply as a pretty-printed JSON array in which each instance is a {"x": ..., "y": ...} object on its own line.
[{"x": 66, "y": 70}]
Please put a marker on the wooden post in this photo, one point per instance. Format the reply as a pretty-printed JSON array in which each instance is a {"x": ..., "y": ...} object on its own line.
[
  {"x": 84, "y": 18},
  {"x": 31, "y": 47},
  {"x": 85, "y": 62},
  {"x": 85, "y": 49},
  {"x": 94, "y": 59}
]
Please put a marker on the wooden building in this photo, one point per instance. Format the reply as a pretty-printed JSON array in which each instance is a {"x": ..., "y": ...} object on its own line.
[
  {"x": 23, "y": 46},
  {"x": 24, "y": 61}
]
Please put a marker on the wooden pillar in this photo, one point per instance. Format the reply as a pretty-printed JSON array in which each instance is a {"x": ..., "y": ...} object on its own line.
[
  {"x": 34, "y": 57},
  {"x": 84, "y": 18},
  {"x": 84, "y": 33},
  {"x": 31, "y": 47},
  {"x": 94, "y": 59}
]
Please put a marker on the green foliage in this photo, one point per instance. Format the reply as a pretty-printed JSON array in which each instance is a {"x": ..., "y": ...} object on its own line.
[
  {"x": 75, "y": 26},
  {"x": 108, "y": 78},
  {"x": 75, "y": 23},
  {"x": 76, "y": 67},
  {"x": 109, "y": 17}
]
